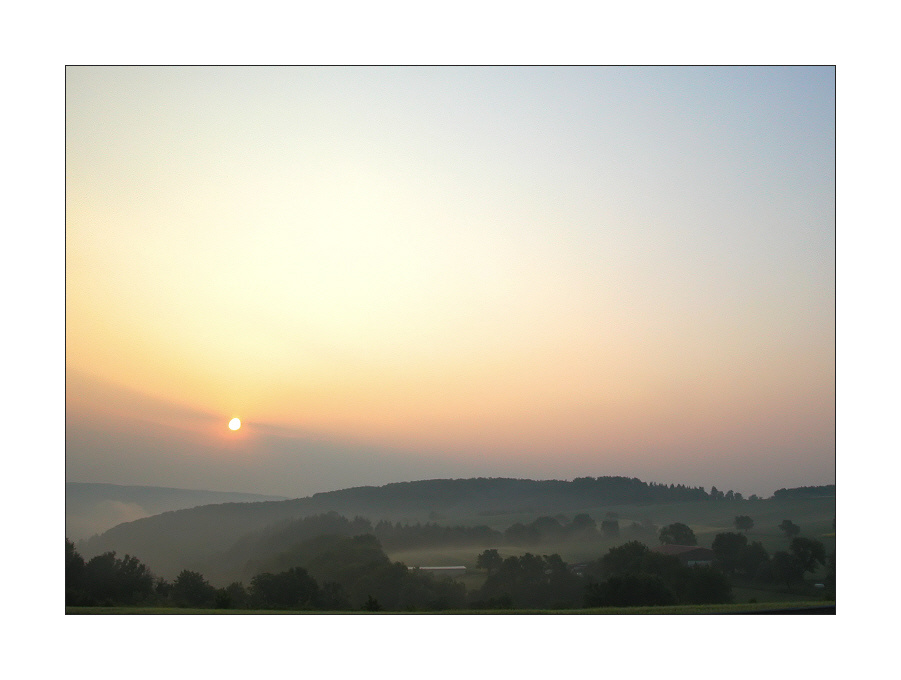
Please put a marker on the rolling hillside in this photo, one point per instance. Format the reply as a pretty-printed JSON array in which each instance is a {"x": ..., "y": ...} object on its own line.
[
  {"x": 94, "y": 508},
  {"x": 192, "y": 538}
]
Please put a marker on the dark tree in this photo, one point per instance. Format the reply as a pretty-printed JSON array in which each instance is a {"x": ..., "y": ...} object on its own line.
[
  {"x": 808, "y": 553},
  {"x": 629, "y": 590},
  {"x": 729, "y": 548},
  {"x": 753, "y": 558},
  {"x": 371, "y": 605},
  {"x": 333, "y": 597},
  {"x": 610, "y": 528},
  {"x": 678, "y": 534},
  {"x": 191, "y": 589},
  {"x": 623, "y": 559},
  {"x": 707, "y": 586},
  {"x": 647, "y": 569},
  {"x": 790, "y": 528},
  {"x": 223, "y": 599},
  {"x": 744, "y": 523},
  {"x": 829, "y": 581},
  {"x": 548, "y": 528},
  {"x": 233, "y": 596},
  {"x": 784, "y": 569},
  {"x": 489, "y": 560},
  {"x": 111, "y": 581},
  {"x": 583, "y": 526},
  {"x": 74, "y": 575},
  {"x": 532, "y": 581},
  {"x": 291, "y": 589},
  {"x": 162, "y": 588}
]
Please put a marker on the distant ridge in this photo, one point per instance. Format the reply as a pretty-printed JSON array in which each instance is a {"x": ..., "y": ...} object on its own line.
[
  {"x": 92, "y": 508},
  {"x": 806, "y": 492}
]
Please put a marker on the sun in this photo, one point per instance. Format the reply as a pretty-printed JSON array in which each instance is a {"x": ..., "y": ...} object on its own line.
[{"x": 234, "y": 424}]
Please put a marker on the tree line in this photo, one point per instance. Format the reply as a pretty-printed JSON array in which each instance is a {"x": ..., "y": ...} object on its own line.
[
  {"x": 341, "y": 573},
  {"x": 335, "y": 572},
  {"x": 403, "y": 535}
]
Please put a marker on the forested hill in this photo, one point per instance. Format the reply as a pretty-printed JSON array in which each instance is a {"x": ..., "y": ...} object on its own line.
[
  {"x": 806, "y": 492},
  {"x": 501, "y": 496},
  {"x": 181, "y": 538}
]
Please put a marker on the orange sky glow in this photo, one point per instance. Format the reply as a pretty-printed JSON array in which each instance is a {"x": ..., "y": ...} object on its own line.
[{"x": 402, "y": 273}]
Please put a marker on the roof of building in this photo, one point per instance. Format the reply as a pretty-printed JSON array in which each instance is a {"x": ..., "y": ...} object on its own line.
[{"x": 439, "y": 568}]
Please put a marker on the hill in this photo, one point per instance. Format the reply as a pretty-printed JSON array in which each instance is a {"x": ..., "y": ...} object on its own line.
[
  {"x": 94, "y": 508},
  {"x": 825, "y": 491},
  {"x": 179, "y": 539},
  {"x": 222, "y": 534}
]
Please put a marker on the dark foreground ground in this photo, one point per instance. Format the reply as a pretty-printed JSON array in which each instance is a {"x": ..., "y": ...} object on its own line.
[{"x": 757, "y": 608}]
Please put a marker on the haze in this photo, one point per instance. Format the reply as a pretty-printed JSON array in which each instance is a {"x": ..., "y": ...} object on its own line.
[{"x": 404, "y": 273}]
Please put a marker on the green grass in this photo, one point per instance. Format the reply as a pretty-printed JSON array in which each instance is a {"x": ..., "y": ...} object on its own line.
[{"x": 676, "y": 609}]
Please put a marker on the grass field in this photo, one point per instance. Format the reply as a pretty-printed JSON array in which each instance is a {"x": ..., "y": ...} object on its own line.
[{"x": 678, "y": 609}]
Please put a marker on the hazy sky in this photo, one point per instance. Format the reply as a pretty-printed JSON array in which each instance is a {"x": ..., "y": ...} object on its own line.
[{"x": 405, "y": 273}]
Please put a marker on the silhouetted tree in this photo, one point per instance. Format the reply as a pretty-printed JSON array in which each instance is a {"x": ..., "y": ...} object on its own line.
[
  {"x": 371, "y": 605},
  {"x": 489, "y": 560},
  {"x": 583, "y": 526},
  {"x": 789, "y": 528},
  {"x": 548, "y": 528},
  {"x": 623, "y": 559},
  {"x": 233, "y": 596},
  {"x": 808, "y": 553},
  {"x": 783, "y": 568},
  {"x": 112, "y": 581},
  {"x": 707, "y": 585},
  {"x": 729, "y": 548},
  {"x": 744, "y": 523},
  {"x": 678, "y": 534},
  {"x": 610, "y": 528},
  {"x": 291, "y": 589},
  {"x": 532, "y": 581},
  {"x": 634, "y": 559},
  {"x": 333, "y": 597},
  {"x": 74, "y": 575},
  {"x": 753, "y": 558},
  {"x": 629, "y": 590},
  {"x": 191, "y": 589}
]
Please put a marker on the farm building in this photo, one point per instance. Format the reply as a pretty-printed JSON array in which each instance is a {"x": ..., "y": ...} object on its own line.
[
  {"x": 687, "y": 554},
  {"x": 442, "y": 571}
]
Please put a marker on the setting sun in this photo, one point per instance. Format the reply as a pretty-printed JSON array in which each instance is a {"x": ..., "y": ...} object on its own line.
[{"x": 234, "y": 424}]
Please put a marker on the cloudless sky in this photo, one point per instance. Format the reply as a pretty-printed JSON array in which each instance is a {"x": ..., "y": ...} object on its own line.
[{"x": 404, "y": 273}]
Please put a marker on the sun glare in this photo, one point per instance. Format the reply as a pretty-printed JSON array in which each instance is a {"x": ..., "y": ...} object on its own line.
[{"x": 234, "y": 424}]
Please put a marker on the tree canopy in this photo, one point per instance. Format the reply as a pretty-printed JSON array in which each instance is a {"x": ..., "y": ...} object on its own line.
[
  {"x": 678, "y": 534},
  {"x": 789, "y": 528},
  {"x": 743, "y": 523}
]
